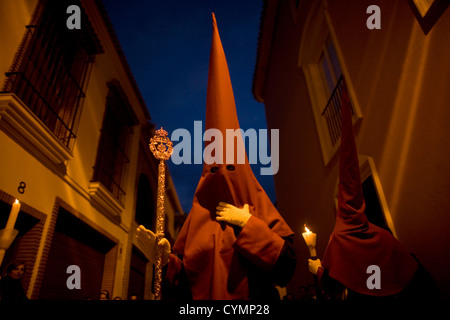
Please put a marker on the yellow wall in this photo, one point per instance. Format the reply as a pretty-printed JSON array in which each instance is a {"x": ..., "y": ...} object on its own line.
[
  {"x": 45, "y": 184},
  {"x": 400, "y": 78}
]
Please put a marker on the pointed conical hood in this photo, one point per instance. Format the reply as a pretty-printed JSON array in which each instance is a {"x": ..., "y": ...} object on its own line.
[
  {"x": 351, "y": 202},
  {"x": 214, "y": 269},
  {"x": 221, "y": 107},
  {"x": 355, "y": 243},
  {"x": 221, "y": 113}
]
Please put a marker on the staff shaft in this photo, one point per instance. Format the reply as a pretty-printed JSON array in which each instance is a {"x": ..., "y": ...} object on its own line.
[
  {"x": 161, "y": 147},
  {"x": 160, "y": 222}
]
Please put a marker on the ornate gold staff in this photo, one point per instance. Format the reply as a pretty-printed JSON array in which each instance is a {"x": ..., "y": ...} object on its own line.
[{"x": 161, "y": 147}]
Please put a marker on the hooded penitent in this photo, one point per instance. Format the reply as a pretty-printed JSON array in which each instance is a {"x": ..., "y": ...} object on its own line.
[
  {"x": 214, "y": 266},
  {"x": 355, "y": 243}
]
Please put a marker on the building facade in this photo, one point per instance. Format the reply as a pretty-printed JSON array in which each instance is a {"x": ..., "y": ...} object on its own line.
[
  {"x": 393, "y": 57},
  {"x": 74, "y": 133}
]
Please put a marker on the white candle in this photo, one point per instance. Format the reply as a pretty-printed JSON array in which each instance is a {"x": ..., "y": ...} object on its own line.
[
  {"x": 12, "y": 217},
  {"x": 310, "y": 239}
]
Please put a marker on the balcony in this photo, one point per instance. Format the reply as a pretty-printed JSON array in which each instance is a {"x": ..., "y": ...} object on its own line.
[{"x": 30, "y": 132}]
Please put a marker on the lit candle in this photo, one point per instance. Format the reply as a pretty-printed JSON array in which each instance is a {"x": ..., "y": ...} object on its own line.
[
  {"x": 8, "y": 234},
  {"x": 310, "y": 239},
  {"x": 12, "y": 217}
]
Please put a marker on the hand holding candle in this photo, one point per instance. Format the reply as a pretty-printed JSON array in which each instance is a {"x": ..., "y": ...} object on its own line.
[
  {"x": 8, "y": 234},
  {"x": 313, "y": 263},
  {"x": 8, "y": 231},
  {"x": 13, "y": 216},
  {"x": 310, "y": 239}
]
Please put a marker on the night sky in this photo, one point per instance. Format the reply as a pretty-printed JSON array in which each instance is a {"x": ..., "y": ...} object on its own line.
[{"x": 167, "y": 45}]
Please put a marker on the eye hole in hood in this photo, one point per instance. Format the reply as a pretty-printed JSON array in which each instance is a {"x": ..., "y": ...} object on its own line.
[{"x": 214, "y": 169}]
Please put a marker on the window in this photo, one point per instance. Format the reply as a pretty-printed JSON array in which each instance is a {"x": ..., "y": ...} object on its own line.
[
  {"x": 112, "y": 156},
  {"x": 428, "y": 12},
  {"x": 329, "y": 66},
  {"x": 324, "y": 73},
  {"x": 332, "y": 113},
  {"x": 50, "y": 71},
  {"x": 332, "y": 80}
]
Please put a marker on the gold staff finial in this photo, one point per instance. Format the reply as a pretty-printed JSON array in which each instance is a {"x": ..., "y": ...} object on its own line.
[{"x": 161, "y": 147}]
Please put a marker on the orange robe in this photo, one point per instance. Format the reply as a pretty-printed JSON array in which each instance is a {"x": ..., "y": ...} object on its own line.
[{"x": 221, "y": 261}]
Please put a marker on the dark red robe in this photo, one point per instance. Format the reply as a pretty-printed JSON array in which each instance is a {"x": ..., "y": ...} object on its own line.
[
  {"x": 355, "y": 243},
  {"x": 219, "y": 260}
]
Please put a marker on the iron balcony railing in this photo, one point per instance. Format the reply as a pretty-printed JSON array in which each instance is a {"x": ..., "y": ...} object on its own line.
[
  {"x": 47, "y": 75},
  {"x": 332, "y": 112}
]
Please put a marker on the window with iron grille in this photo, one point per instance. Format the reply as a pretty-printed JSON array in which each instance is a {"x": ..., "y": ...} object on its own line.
[
  {"x": 325, "y": 72},
  {"x": 112, "y": 156},
  {"x": 332, "y": 80},
  {"x": 51, "y": 67}
]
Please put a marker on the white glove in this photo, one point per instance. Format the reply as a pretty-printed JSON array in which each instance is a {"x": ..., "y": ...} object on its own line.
[
  {"x": 229, "y": 213},
  {"x": 314, "y": 265},
  {"x": 147, "y": 242}
]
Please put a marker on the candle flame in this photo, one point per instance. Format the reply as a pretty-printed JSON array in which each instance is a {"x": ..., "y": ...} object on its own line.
[
  {"x": 307, "y": 230},
  {"x": 16, "y": 202}
]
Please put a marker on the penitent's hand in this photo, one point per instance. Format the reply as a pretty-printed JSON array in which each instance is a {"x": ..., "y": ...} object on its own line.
[
  {"x": 230, "y": 214},
  {"x": 147, "y": 242},
  {"x": 314, "y": 265}
]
